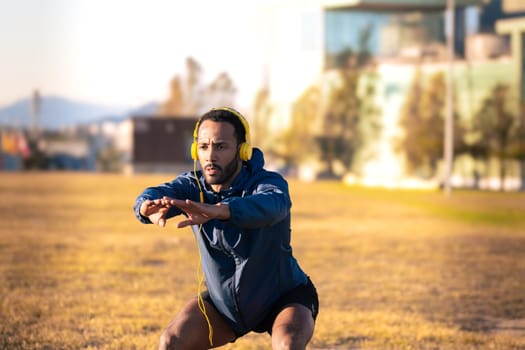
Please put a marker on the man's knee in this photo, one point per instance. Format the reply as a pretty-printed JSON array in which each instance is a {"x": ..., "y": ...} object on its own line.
[
  {"x": 289, "y": 343},
  {"x": 289, "y": 337},
  {"x": 167, "y": 341}
]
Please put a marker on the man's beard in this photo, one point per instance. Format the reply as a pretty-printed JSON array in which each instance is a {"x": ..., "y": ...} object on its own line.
[{"x": 223, "y": 175}]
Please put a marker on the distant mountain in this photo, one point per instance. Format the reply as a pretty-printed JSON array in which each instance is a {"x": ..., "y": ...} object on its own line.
[
  {"x": 150, "y": 108},
  {"x": 57, "y": 112}
]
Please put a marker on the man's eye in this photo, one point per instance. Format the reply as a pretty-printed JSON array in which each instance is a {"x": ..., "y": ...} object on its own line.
[{"x": 203, "y": 147}]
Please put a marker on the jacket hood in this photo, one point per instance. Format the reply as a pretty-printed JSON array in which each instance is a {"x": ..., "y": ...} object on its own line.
[
  {"x": 256, "y": 162},
  {"x": 250, "y": 167}
]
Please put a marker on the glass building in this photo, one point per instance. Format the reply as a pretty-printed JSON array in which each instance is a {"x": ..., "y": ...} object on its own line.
[{"x": 390, "y": 29}]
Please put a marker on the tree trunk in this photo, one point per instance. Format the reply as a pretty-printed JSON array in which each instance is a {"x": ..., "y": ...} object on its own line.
[{"x": 502, "y": 167}]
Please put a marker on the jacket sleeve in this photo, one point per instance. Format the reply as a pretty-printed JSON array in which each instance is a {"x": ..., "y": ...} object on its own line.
[
  {"x": 183, "y": 187},
  {"x": 268, "y": 204}
]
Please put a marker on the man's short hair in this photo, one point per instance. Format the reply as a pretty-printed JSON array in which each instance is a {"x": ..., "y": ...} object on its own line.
[{"x": 224, "y": 115}]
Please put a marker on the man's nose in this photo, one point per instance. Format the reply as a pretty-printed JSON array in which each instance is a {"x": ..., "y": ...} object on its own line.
[{"x": 211, "y": 154}]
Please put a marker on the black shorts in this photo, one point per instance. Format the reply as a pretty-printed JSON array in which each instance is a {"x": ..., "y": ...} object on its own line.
[{"x": 305, "y": 295}]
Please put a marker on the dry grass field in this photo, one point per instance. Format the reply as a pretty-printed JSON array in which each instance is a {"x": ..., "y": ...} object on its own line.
[{"x": 394, "y": 269}]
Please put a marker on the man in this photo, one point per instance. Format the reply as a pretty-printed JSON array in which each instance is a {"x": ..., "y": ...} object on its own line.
[{"x": 240, "y": 215}]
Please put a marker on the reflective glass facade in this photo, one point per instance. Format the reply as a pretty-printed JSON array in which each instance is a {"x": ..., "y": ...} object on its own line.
[{"x": 388, "y": 32}]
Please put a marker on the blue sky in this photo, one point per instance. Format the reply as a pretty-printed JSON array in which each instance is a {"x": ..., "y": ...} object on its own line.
[{"x": 121, "y": 52}]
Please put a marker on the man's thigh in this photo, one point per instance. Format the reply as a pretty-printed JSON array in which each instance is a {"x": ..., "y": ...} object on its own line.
[
  {"x": 293, "y": 325},
  {"x": 189, "y": 329}
]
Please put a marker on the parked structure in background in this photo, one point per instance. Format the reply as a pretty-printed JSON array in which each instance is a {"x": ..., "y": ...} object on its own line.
[
  {"x": 161, "y": 144},
  {"x": 66, "y": 154}
]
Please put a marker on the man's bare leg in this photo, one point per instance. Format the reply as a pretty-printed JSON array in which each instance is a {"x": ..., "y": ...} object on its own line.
[
  {"x": 293, "y": 328},
  {"x": 189, "y": 329}
]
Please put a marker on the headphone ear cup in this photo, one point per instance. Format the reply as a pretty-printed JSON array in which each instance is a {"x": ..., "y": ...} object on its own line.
[
  {"x": 193, "y": 151},
  {"x": 245, "y": 151}
]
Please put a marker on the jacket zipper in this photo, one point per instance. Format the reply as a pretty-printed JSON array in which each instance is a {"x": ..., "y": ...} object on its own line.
[{"x": 233, "y": 291}]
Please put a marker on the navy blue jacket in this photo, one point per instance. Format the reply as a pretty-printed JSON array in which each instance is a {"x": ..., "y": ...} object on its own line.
[{"x": 247, "y": 260}]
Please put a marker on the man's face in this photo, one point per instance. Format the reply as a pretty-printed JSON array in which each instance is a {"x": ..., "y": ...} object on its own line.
[{"x": 218, "y": 153}]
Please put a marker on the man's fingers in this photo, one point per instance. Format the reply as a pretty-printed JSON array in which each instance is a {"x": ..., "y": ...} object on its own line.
[
  {"x": 184, "y": 223},
  {"x": 158, "y": 219},
  {"x": 150, "y": 207},
  {"x": 178, "y": 202},
  {"x": 156, "y": 210},
  {"x": 157, "y": 215}
]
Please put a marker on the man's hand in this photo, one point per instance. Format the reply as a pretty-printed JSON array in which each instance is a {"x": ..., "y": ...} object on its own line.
[
  {"x": 155, "y": 210},
  {"x": 198, "y": 213}
]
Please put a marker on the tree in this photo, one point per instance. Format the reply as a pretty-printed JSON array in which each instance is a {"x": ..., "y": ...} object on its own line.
[
  {"x": 299, "y": 139},
  {"x": 193, "y": 87},
  {"x": 174, "y": 104},
  {"x": 332, "y": 120},
  {"x": 190, "y": 96},
  {"x": 433, "y": 116},
  {"x": 495, "y": 127},
  {"x": 422, "y": 119},
  {"x": 262, "y": 111},
  {"x": 351, "y": 117},
  {"x": 412, "y": 124},
  {"x": 221, "y": 92},
  {"x": 340, "y": 136}
]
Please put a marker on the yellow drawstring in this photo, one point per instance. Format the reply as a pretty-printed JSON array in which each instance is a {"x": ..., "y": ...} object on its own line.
[
  {"x": 200, "y": 274},
  {"x": 200, "y": 300}
]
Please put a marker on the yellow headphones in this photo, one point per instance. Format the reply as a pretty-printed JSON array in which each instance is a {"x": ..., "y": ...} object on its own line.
[{"x": 245, "y": 148}]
